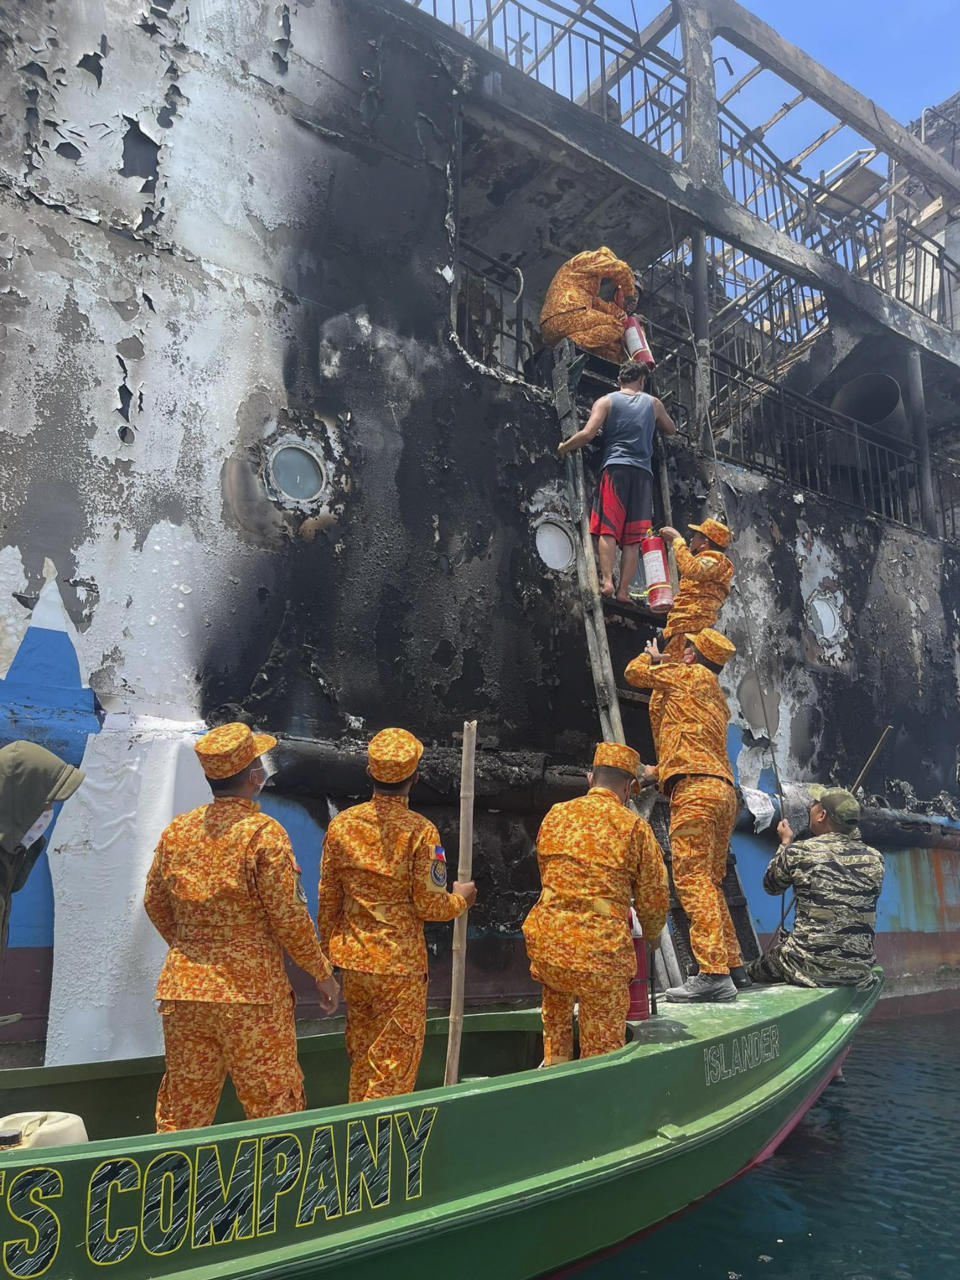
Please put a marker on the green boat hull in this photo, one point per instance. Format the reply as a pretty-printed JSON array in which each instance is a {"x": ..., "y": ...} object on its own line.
[{"x": 514, "y": 1175}]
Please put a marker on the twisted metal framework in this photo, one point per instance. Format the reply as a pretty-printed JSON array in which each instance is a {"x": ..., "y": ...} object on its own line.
[{"x": 588, "y": 57}]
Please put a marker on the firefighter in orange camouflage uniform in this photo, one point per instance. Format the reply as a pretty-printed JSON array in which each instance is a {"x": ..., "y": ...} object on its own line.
[
  {"x": 383, "y": 873},
  {"x": 575, "y": 309},
  {"x": 593, "y": 852},
  {"x": 693, "y": 769},
  {"x": 224, "y": 892},
  {"x": 705, "y": 577}
]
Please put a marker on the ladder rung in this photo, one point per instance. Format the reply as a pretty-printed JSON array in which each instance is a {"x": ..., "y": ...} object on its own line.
[{"x": 633, "y": 695}]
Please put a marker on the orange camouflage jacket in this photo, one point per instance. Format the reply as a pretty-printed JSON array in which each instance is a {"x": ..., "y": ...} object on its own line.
[
  {"x": 575, "y": 285},
  {"x": 224, "y": 892},
  {"x": 694, "y": 715},
  {"x": 593, "y": 853},
  {"x": 383, "y": 873},
  {"x": 704, "y": 585}
]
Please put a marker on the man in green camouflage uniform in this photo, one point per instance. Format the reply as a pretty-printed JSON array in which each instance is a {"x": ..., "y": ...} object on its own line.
[{"x": 837, "y": 879}]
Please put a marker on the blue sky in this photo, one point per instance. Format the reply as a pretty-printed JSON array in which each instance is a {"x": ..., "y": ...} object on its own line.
[{"x": 903, "y": 56}]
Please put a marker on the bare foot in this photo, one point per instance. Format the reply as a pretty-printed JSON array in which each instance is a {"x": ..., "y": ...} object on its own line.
[
  {"x": 606, "y": 589},
  {"x": 623, "y": 599}
]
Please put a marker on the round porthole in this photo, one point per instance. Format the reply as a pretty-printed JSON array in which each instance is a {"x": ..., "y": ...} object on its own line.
[
  {"x": 297, "y": 473},
  {"x": 555, "y": 544},
  {"x": 824, "y": 615}
]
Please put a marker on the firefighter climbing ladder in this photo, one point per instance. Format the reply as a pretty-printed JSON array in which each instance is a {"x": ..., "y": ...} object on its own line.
[{"x": 567, "y": 367}]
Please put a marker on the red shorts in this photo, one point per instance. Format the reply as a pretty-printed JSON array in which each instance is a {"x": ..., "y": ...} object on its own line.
[{"x": 623, "y": 506}]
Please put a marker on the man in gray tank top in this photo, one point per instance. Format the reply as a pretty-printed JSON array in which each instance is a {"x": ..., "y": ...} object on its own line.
[{"x": 626, "y": 421}]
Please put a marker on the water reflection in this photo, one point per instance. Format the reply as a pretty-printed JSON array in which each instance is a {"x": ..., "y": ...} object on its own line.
[{"x": 864, "y": 1189}]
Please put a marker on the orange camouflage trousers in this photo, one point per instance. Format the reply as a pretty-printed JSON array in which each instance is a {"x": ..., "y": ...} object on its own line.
[
  {"x": 702, "y": 814},
  {"x": 204, "y": 1040},
  {"x": 386, "y": 1023},
  {"x": 604, "y": 1002},
  {"x": 591, "y": 329}
]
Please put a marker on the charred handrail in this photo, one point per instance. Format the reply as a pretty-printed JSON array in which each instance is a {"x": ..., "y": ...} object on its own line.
[
  {"x": 568, "y": 51},
  {"x": 489, "y": 319}
]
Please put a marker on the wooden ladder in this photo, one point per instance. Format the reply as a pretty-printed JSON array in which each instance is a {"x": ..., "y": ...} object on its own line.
[{"x": 565, "y": 380}]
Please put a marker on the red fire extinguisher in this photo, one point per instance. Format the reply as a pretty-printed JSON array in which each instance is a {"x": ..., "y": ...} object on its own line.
[
  {"x": 639, "y": 996},
  {"x": 635, "y": 341},
  {"x": 656, "y": 574}
]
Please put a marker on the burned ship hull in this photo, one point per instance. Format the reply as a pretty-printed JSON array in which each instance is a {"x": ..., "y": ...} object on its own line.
[{"x": 268, "y": 452}]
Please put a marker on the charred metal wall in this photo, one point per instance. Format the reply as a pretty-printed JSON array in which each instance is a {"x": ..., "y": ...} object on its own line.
[{"x": 228, "y": 227}]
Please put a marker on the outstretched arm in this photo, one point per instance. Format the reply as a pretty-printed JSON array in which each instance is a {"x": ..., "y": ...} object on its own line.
[
  {"x": 708, "y": 566},
  {"x": 429, "y": 883},
  {"x": 663, "y": 420},
  {"x": 778, "y": 876},
  {"x": 646, "y": 671},
  {"x": 594, "y": 425}
]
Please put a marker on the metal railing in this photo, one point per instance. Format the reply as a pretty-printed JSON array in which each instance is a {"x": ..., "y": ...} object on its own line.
[
  {"x": 762, "y": 426},
  {"x": 582, "y": 59},
  {"x": 590, "y": 59},
  {"x": 946, "y": 496},
  {"x": 928, "y": 279},
  {"x": 808, "y": 213},
  {"x": 760, "y": 318},
  {"x": 488, "y": 301}
]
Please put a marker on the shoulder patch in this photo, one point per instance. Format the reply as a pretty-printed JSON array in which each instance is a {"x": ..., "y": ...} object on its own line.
[
  {"x": 438, "y": 872},
  {"x": 711, "y": 560}
]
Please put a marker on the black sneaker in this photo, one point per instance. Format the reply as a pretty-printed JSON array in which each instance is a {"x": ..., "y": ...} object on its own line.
[
  {"x": 704, "y": 988},
  {"x": 741, "y": 979}
]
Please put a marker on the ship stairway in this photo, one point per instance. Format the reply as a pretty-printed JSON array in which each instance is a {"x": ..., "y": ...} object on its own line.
[{"x": 673, "y": 960}]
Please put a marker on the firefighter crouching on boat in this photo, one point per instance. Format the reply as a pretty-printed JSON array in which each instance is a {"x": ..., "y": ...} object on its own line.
[
  {"x": 224, "y": 891},
  {"x": 693, "y": 770},
  {"x": 383, "y": 873},
  {"x": 593, "y": 852},
  {"x": 837, "y": 879}
]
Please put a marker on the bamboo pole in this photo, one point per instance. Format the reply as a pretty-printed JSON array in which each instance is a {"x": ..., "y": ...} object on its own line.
[{"x": 464, "y": 872}]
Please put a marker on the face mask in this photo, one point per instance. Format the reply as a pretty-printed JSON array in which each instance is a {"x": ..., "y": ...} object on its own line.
[{"x": 38, "y": 828}]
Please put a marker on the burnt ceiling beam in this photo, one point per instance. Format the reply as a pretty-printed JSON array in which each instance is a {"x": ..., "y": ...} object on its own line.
[
  {"x": 734, "y": 23},
  {"x": 741, "y": 83}
]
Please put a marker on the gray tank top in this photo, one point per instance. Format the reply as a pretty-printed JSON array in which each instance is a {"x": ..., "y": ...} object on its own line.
[{"x": 627, "y": 435}]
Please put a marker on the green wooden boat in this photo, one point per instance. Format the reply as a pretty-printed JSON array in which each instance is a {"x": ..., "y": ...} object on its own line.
[{"x": 514, "y": 1172}]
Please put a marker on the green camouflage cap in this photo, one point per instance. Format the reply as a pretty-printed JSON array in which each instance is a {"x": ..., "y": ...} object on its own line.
[{"x": 841, "y": 805}]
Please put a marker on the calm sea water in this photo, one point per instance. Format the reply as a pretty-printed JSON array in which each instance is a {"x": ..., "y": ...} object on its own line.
[{"x": 867, "y": 1187}]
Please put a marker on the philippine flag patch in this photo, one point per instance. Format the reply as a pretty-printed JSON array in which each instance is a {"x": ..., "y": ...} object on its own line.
[{"x": 438, "y": 868}]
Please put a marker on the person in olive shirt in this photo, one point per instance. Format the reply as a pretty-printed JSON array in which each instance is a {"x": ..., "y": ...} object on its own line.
[{"x": 837, "y": 879}]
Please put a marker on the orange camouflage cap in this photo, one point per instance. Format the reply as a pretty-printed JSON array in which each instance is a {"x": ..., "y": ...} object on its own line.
[
  {"x": 614, "y": 755},
  {"x": 229, "y": 748},
  {"x": 393, "y": 754},
  {"x": 714, "y": 530},
  {"x": 714, "y": 647}
]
